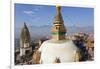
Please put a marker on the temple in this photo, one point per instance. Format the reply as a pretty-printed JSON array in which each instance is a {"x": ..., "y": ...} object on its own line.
[
  {"x": 25, "y": 47},
  {"x": 58, "y": 49}
]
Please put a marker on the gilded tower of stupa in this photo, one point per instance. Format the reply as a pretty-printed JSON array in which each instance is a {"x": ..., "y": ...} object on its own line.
[{"x": 58, "y": 29}]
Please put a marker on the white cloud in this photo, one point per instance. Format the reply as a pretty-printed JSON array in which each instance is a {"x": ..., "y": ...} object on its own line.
[
  {"x": 33, "y": 11},
  {"x": 37, "y": 8},
  {"x": 29, "y": 12}
]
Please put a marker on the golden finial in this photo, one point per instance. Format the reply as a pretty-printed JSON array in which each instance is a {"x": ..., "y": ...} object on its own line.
[{"x": 58, "y": 7}]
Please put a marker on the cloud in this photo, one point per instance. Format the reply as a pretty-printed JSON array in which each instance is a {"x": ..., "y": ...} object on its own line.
[
  {"x": 29, "y": 12},
  {"x": 37, "y": 8},
  {"x": 33, "y": 11}
]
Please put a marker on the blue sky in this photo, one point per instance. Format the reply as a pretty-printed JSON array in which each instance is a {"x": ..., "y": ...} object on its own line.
[{"x": 39, "y": 15}]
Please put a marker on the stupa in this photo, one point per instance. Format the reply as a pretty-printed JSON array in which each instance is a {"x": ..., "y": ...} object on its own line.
[{"x": 58, "y": 49}]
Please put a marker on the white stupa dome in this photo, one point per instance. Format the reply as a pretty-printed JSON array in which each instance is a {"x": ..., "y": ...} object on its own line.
[{"x": 65, "y": 50}]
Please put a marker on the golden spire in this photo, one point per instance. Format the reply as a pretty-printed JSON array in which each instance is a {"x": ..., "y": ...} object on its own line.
[
  {"x": 57, "y": 7},
  {"x": 58, "y": 29}
]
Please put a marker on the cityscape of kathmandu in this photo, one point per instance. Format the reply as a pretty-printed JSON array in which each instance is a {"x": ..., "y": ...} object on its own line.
[{"x": 50, "y": 34}]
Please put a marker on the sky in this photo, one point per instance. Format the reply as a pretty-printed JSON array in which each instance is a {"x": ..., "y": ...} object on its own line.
[{"x": 39, "y": 15}]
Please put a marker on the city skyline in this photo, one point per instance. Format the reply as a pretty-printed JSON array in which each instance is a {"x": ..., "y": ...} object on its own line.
[{"x": 39, "y": 15}]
